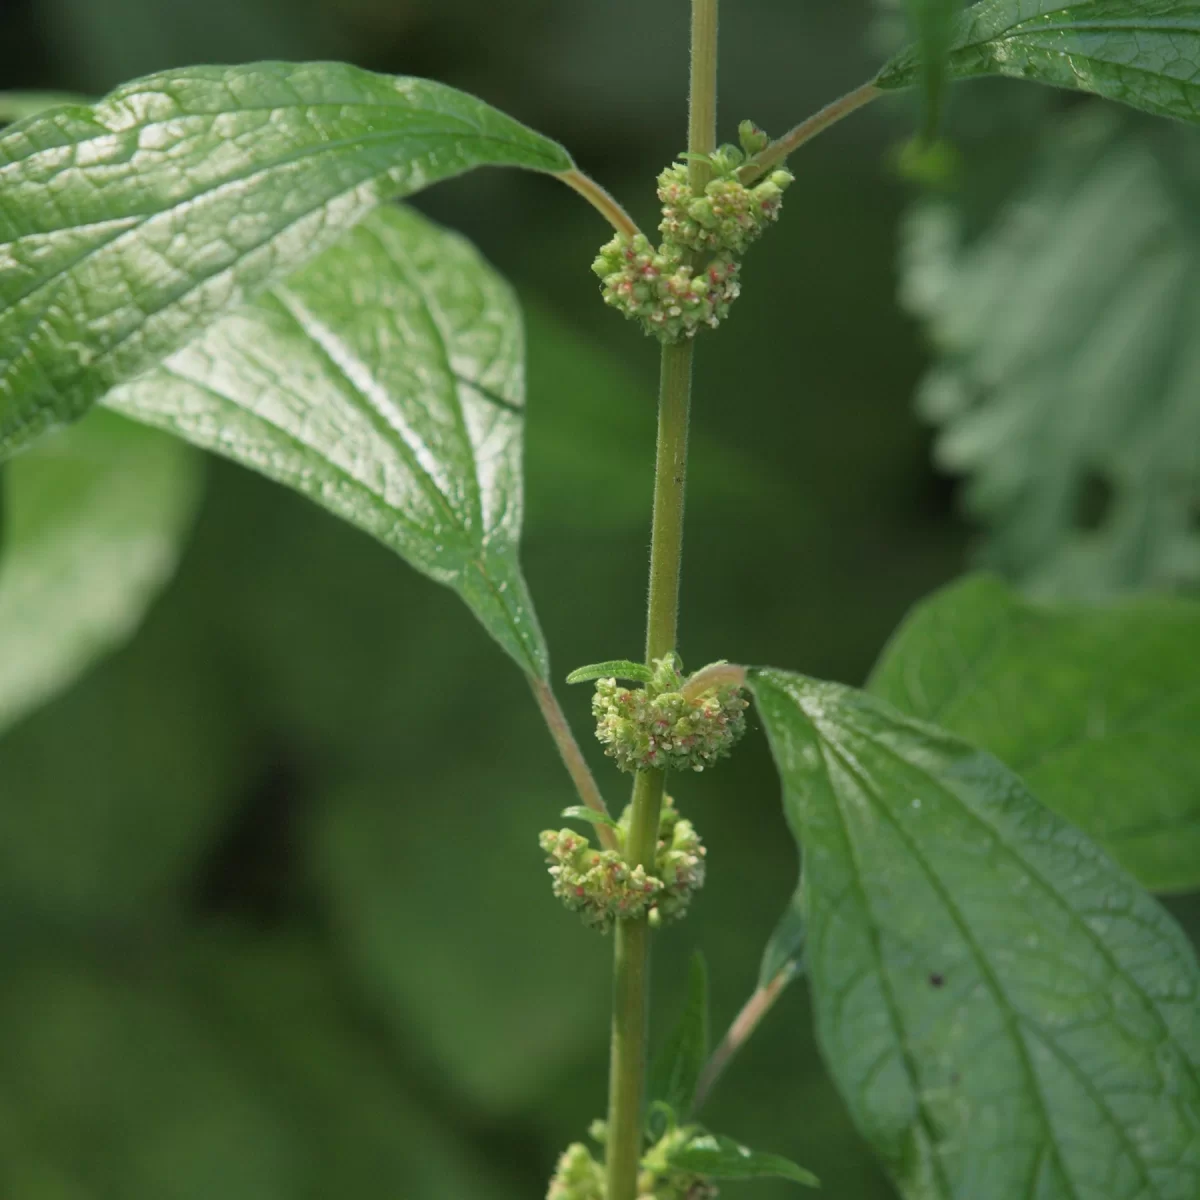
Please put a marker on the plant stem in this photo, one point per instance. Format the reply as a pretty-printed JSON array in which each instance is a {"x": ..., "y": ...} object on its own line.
[
  {"x": 778, "y": 150},
  {"x": 603, "y": 201},
  {"x": 572, "y": 756},
  {"x": 631, "y": 958},
  {"x": 738, "y": 1034}
]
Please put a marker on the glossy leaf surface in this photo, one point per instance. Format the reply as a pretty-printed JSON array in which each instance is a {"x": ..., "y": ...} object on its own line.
[
  {"x": 129, "y": 225},
  {"x": 1097, "y": 709},
  {"x": 95, "y": 519},
  {"x": 678, "y": 1064},
  {"x": 1005, "y": 1012},
  {"x": 1140, "y": 52},
  {"x": 1066, "y": 386},
  {"x": 384, "y": 381}
]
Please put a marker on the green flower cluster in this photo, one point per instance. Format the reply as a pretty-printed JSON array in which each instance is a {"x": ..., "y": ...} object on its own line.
[
  {"x": 602, "y": 887},
  {"x": 579, "y": 1176},
  {"x": 660, "y": 727},
  {"x": 727, "y": 218},
  {"x": 657, "y": 288},
  {"x": 691, "y": 279}
]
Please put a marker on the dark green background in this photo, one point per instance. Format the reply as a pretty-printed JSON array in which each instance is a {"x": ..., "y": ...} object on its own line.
[{"x": 274, "y": 919}]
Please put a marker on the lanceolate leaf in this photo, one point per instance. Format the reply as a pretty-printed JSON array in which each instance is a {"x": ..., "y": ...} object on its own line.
[
  {"x": 385, "y": 381},
  {"x": 678, "y": 1064},
  {"x": 128, "y": 225},
  {"x": 620, "y": 668},
  {"x": 722, "y": 1158},
  {"x": 1141, "y": 52},
  {"x": 94, "y": 521},
  {"x": 1097, "y": 709},
  {"x": 1004, "y": 1010},
  {"x": 1067, "y": 387}
]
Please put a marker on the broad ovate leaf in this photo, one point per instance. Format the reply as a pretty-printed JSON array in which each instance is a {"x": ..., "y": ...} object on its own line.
[
  {"x": 1066, "y": 386},
  {"x": 1096, "y": 708},
  {"x": 1140, "y": 52},
  {"x": 95, "y": 518},
  {"x": 129, "y": 225},
  {"x": 1004, "y": 1010},
  {"x": 385, "y": 381}
]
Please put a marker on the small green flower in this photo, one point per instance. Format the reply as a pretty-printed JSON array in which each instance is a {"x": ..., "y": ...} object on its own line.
[
  {"x": 658, "y": 727},
  {"x": 602, "y": 887},
  {"x": 578, "y": 1176}
]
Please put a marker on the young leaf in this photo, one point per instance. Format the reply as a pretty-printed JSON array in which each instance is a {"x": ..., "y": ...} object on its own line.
[
  {"x": 619, "y": 668},
  {"x": 1097, "y": 709},
  {"x": 94, "y": 522},
  {"x": 385, "y": 382},
  {"x": 577, "y": 812},
  {"x": 129, "y": 225},
  {"x": 1068, "y": 380},
  {"x": 678, "y": 1064},
  {"x": 1005, "y": 1012},
  {"x": 1140, "y": 52},
  {"x": 722, "y": 1158}
]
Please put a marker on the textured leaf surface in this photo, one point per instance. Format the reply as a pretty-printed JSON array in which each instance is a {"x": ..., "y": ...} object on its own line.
[
  {"x": 1097, "y": 709},
  {"x": 1068, "y": 386},
  {"x": 1141, "y": 52},
  {"x": 1004, "y": 1010},
  {"x": 94, "y": 522},
  {"x": 16, "y": 106},
  {"x": 678, "y": 1064},
  {"x": 720, "y": 1157},
  {"x": 385, "y": 381},
  {"x": 128, "y": 225}
]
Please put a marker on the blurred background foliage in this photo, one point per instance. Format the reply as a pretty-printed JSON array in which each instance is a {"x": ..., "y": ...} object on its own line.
[{"x": 275, "y": 922}]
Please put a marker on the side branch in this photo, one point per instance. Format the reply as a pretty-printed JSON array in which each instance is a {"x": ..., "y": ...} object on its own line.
[
  {"x": 601, "y": 200},
  {"x": 572, "y": 756},
  {"x": 831, "y": 114}
]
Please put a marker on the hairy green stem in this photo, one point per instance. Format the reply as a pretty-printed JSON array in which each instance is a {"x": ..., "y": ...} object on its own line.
[{"x": 831, "y": 114}]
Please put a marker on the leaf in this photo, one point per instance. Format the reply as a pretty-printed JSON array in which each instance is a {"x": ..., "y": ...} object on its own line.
[
  {"x": 785, "y": 948},
  {"x": 677, "y": 1066},
  {"x": 1068, "y": 386},
  {"x": 1004, "y": 1011},
  {"x": 577, "y": 812},
  {"x": 720, "y": 1157},
  {"x": 1095, "y": 708},
  {"x": 932, "y": 25},
  {"x": 384, "y": 381},
  {"x": 1140, "y": 52},
  {"x": 16, "y": 106},
  {"x": 95, "y": 519},
  {"x": 619, "y": 668},
  {"x": 128, "y": 226}
]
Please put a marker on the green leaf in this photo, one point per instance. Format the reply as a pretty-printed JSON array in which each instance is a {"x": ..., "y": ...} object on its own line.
[
  {"x": 932, "y": 25},
  {"x": 720, "y": 1157},
  {"x": 16, "y": 106},
  {"x": 384, "y": 381},
  {"x": 577, "y": 812},
  {"x": 1068, "y": 383},
  {"x": 1005, "y": 1012},
  {"x": 619, "y": 668},
  {"x": 183, "y": 194},
  {"x": 785, "y": 947},
  {"x": 1140, "y": 52},
  {"x": 1097, "y": 709},
  {"x": 95, "y": 519},
  {"x": 677, "y": 1066}
]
